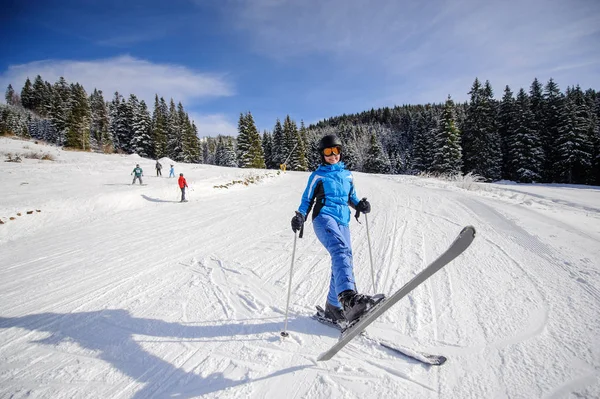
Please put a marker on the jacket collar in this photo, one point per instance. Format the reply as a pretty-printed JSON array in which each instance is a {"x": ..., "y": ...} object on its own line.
[{"x": 333, "y": 168}]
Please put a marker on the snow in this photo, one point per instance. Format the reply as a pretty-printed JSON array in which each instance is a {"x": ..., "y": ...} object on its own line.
[{"x": 120, "y": 291}]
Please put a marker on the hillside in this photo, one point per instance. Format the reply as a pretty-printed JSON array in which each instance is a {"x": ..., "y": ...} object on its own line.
[{"x": 120, "y": 291}]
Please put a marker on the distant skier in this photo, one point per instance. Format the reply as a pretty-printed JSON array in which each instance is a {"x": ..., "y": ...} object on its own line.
[
  {"x": 158, "y": 169},
  {"x": 138, "y": 172},
  {"x": 330, "y": 189},
  {"x": 172, "y": 171},
  {"x": 182, "y": 185}
]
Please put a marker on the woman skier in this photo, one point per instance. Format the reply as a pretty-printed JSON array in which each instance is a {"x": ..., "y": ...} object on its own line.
[{"x": 330, "y": 189}]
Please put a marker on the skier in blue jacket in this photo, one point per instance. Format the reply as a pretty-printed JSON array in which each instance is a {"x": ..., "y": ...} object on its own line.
[{"x": 330, "y": 190}]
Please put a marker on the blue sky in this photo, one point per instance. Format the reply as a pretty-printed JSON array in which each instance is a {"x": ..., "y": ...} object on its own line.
[{"x": 311, "y": 59}]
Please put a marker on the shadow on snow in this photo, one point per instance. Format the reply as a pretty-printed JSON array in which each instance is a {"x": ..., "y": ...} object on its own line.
[{"x": 110, "y": 334}]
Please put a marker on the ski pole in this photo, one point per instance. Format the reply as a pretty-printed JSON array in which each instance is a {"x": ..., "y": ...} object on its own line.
[
  {"x": 284, "y": 333},
  {"x": 370, "y": 254}
]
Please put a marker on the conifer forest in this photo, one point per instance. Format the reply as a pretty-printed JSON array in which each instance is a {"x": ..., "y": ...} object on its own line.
[{"x": 541, "y": 134}]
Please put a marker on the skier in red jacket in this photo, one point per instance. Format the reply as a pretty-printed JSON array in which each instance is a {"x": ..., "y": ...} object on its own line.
[{"x": 182, "y": 186}]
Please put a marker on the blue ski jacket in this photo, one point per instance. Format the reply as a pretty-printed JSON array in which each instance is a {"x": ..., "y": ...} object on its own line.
[{"x": 330, "y": 189}]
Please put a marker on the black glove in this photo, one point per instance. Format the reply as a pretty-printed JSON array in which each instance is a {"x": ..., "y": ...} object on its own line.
[
  {"x": 297, "y": 222},
  {"x": 363, "y": 206}
]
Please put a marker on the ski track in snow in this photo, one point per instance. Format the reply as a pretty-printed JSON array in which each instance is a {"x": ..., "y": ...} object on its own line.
[{"x": 117, "y": 291}]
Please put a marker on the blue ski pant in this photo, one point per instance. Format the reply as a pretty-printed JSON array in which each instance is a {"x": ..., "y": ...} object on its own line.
[{"x": 336, "y": 239}]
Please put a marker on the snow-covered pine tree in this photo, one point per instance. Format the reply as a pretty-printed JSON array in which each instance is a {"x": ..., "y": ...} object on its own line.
[
  {"x": 209, "y": 145},
  {"x": 574, "y": 146},
  {"x": 447, "y": 157},
  {"x": 229, "y": 158},
  {"x": 596, "y": 141},
  {"x": 141, "y": 142},
  {"x": 301, "y": 156},
  {"x": 278, "y": 148},
  {"x": 100, "y": 139},
  {"x": 506, "y": 128},
  {"x": 525, "y": 149},
  {"x": 299, "y": 160},
  {"x": 249, "y": 144},
  {"x": 481, "y": 141},
  {"x": 536, "y": 99},
  {"x": 219, "y": 151},
  {"x": 78, "y": 124},
  {"x": 376, "y": 160},
  {"x": 40, "y": 98},
  {"x": 191, "y": 142},
  {"x": 59, "y": 110},
  {"x": 27, "y": 95},
  {"x": 118, "y": 126},
  {"x": 174, "y": 134},
  {"x": 11, "y": 97},
  {"x": 243, "y": 141},
  {"x": 267, "y": 144},
  {"x": 290, "y": 142},
  {"x": 159, "y": 127},
  {"x": 553, "y": 105},
  {"x": 422, "y": 150},
  {"x": 225, "y": 154}
]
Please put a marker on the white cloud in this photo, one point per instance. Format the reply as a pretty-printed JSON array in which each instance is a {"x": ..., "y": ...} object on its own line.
[
  {"x": 422, "y": 45},
  {"x": 213, "y": 124},
  {"x": 127, "y": 75}
]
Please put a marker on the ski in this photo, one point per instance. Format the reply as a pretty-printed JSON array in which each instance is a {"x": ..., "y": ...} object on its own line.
[
  {"x": 425, "y": 358},
  {"x": 458, "y": 246}
]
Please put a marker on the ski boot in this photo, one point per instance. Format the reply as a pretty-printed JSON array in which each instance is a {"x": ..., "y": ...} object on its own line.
[
  {"x": 334, "y": 313},
  {"x": 356, "y": 305}
]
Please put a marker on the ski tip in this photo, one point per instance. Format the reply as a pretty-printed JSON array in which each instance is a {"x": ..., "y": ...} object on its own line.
[
  {"x": 440, "y": 361},
  {"x": 323, "y": 357},
  {"x": 468, "y": 230}
]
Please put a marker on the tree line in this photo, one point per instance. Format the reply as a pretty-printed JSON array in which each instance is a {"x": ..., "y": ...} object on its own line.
[{"x": 540, "y": 135}]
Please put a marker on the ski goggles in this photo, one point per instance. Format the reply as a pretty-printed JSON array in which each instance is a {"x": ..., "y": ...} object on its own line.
[{"x": 332, "y": 151}]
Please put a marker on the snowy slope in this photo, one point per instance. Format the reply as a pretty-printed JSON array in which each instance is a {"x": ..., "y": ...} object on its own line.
[{"x": 120, "y": 291}]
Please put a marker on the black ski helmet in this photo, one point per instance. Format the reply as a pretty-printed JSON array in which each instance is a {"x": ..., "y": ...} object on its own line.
[{"x": 331, "y": 140}]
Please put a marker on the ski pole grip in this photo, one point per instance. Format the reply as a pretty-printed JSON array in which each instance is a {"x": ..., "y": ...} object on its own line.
[{"x": 357, "y": 214}]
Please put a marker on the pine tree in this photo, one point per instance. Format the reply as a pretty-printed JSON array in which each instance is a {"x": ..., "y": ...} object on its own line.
[
  {"x": 422, "y": 151},
  {"x": 290, "y": 142},
  {"x": 574, "y": 146},
  {"x": 229, "y": 158},
  {"x": 219, "y": 151},
  {"x": 301, "y": 159},
  {"x": 249, "y": 144},
  {"x": 11, "y": 97},
  {"x": 27, "y": 95},
  {"x": 525, "y": 149},
  {"x": 191, "y": 142},
  {"x": 377, "y": 161},
  {"x": 481, "y": 141},
  {"x": 225, "y": 154},
  {"x": 596, "y": 141},
  {"x": 447, "y": 158},
  {"x": 40, "y": 98},
  {"x": 506, "y": 128},
  {"x": 78, "y": 123},
  {"x": 100, "y": 136},
  {"x": 278, "y": 147},
  {"x": 119, "y": 125},
  {"x": 159, "y": 127},
  {"x": 553, "y": 105},
  {"x": 267, "y": 143},
  {"x": 141, "y": 141},
  {"x": 59, "y": 110},
  {"x": 174, "y": 134}
]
